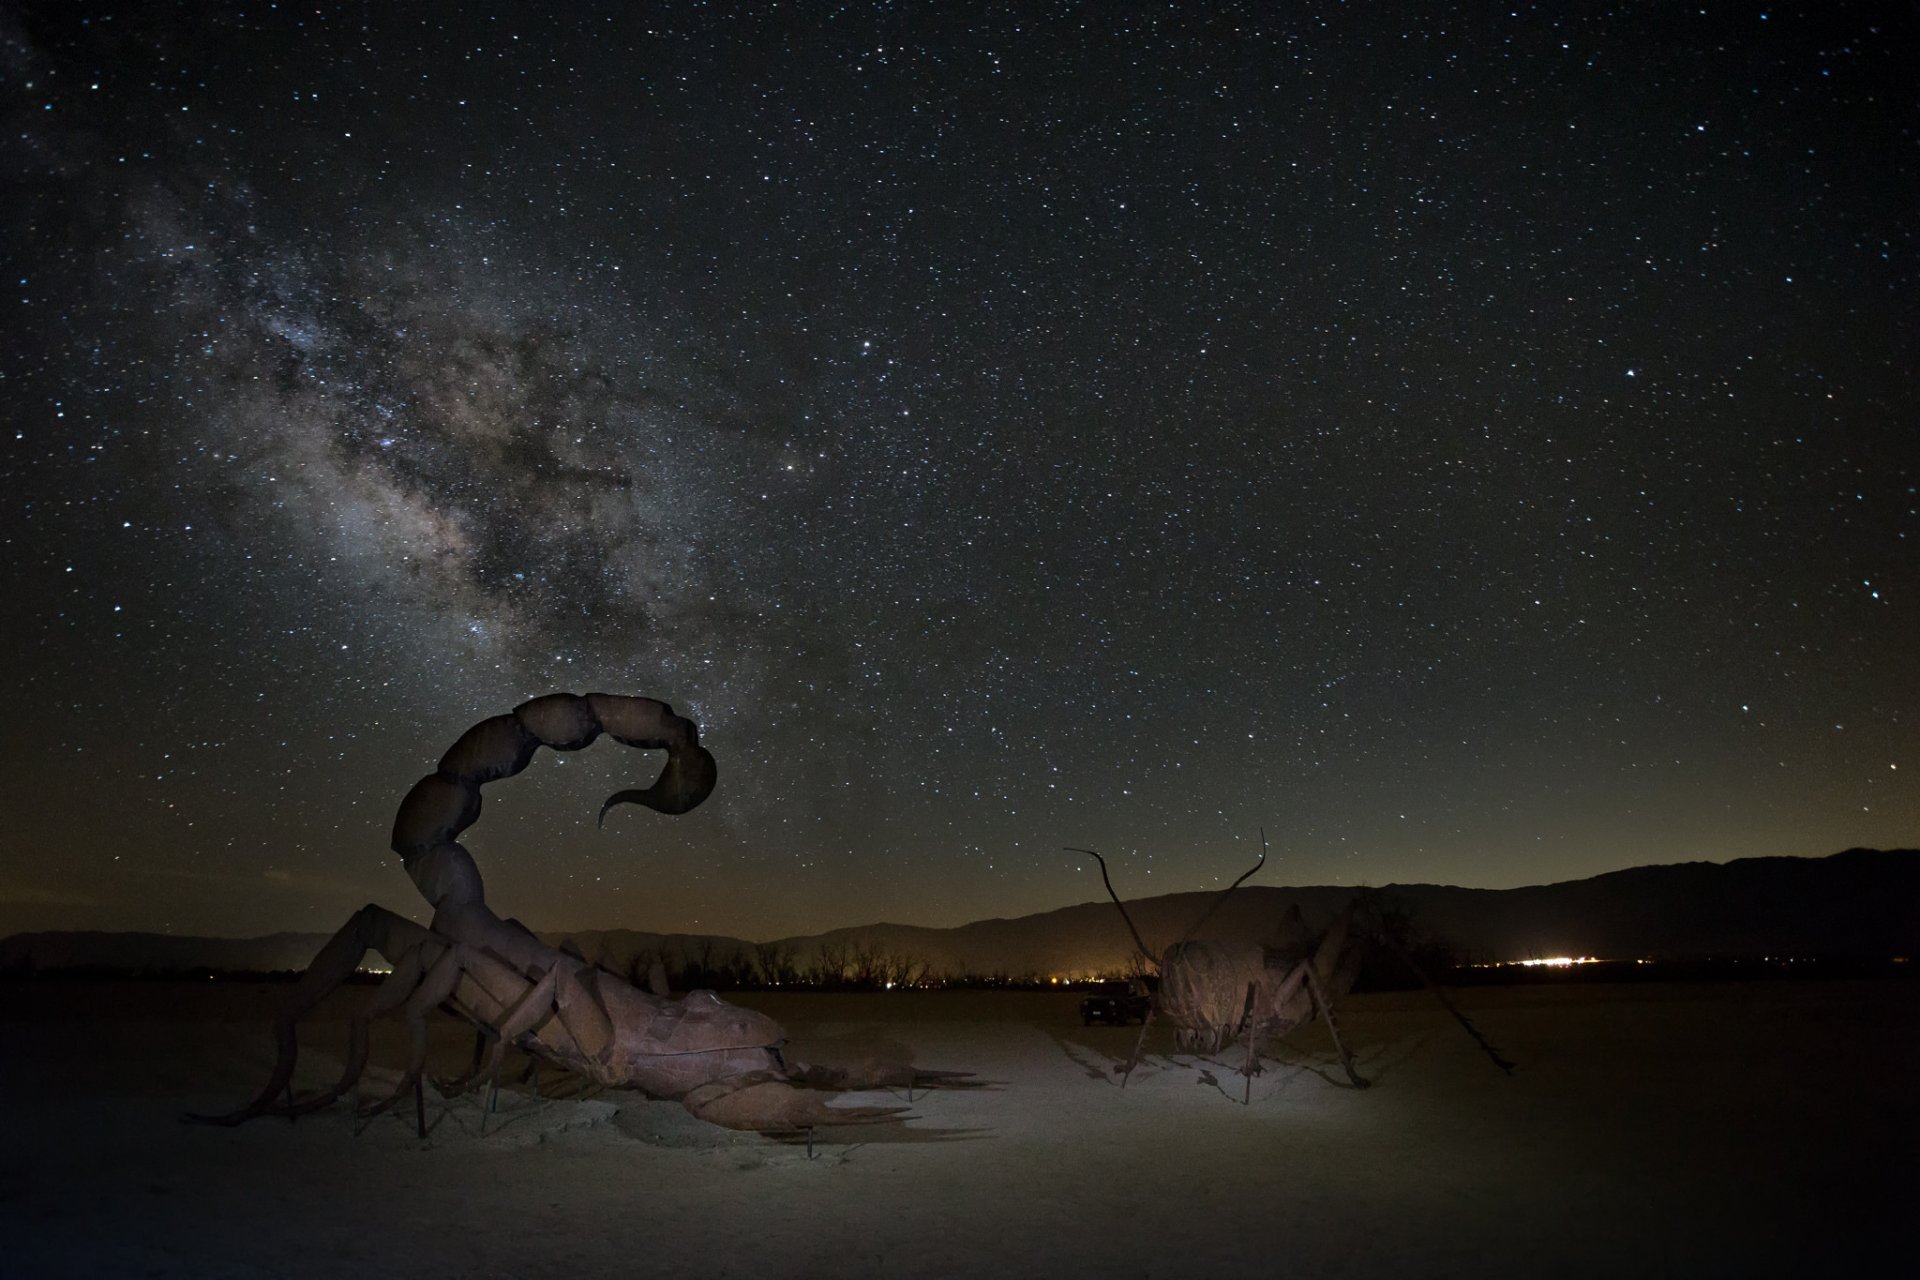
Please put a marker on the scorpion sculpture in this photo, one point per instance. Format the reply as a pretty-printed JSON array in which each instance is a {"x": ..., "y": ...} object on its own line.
[{"x": 722, "y": 1062}]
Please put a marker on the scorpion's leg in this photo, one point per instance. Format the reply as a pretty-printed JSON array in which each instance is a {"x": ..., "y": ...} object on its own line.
[
  {"x": 408, "y": 969},
  {"x": 442, "y": 976},
  {"x": 484, "y": 1037},
  {"x": 488, "y": 991},
  {"x": 566, "y": 991},
  {"x": 525, "y": 1016},
  {"x": 582, "y": 1012},
  {"x": 372, "y": 927},
  {"x": 570, "y": 994},
  {"x": 399, "y": 984},
  {"x": 531, "y": 1009},
  {"x": 563, "y": 990}
]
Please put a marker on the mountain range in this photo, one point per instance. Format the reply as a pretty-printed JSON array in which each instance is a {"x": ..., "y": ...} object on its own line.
[{"x": 1861, "y": 903}]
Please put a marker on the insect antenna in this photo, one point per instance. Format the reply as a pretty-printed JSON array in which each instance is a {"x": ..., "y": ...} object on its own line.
[
  {"x": 1138, "y": 941},
  {"x": 1208, "y": 913}
]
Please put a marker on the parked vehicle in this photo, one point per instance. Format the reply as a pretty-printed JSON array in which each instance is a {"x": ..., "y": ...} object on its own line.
[{"x": 1116, "y": 1004}]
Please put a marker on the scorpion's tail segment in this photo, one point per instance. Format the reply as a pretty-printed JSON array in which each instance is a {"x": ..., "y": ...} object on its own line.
[
  {"x": 764, "y": 1103},
  {"x": 497, "y": 747},
  {"x": 690, "y": 772},
  {"x": 447, "y": 801},
  {"x": 434, "y": 813}
]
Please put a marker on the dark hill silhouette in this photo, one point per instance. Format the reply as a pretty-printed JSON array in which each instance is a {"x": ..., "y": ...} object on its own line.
[{"x": 1862, "y": 903}]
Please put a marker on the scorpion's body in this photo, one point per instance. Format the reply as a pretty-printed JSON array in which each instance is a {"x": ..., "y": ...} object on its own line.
[{"x": 723, "y": 1063}]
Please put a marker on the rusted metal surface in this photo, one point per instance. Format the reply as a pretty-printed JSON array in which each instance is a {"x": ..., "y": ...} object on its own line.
[
  {"x": 723, "y": 1063},
  {"x": 1217, "y": 993}
]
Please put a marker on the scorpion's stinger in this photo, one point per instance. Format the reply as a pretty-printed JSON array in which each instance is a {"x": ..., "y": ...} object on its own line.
[
  {"x": 686, "y": 781},
  {"x": 690, "y": 772}
]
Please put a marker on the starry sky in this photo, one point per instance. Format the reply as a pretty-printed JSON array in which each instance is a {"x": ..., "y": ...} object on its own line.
[{"x": 1474, "y": 444}]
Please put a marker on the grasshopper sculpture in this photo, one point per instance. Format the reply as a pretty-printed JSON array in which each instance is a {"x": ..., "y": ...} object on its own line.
[
  {"x": 1214, "y": 993},
  {"x": 723, "y": 1063}
]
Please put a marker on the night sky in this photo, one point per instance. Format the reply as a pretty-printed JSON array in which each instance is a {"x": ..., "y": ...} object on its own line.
[{"x": 1476, "y": 445}]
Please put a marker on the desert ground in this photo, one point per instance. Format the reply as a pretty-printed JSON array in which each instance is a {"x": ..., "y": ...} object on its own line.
[{"x": 1710, "y": 1129}]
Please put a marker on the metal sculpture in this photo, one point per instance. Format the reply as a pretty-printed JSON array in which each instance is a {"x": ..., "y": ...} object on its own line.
[
  {"x": 1214, "y": 993},
  {"x": 722, "y": 1062}
]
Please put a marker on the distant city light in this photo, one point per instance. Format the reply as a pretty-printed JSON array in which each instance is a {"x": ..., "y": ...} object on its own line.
[{"x": 1548, "y": 962}]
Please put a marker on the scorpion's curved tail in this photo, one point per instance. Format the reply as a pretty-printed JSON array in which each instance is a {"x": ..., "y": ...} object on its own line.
[{"x": 446, "y": 802}]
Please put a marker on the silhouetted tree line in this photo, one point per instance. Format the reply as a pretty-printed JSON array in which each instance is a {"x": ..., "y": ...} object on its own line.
[
  {"x": 840, "y": 965},
  {"x": 861, "y": 963},
  {"x": 1399, "y": 941}
]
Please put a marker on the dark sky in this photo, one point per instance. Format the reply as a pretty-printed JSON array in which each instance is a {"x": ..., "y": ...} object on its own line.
[{"x": 1475, "y": 444}]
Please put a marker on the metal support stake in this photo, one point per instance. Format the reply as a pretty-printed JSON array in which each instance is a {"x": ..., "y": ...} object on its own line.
[
  {"x": 493, "y": 1094},
  {"x": 1138, "y": 1044}
]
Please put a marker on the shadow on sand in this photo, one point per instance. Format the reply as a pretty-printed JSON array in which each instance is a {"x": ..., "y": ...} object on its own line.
[{"x": 1226, "y": 1071}]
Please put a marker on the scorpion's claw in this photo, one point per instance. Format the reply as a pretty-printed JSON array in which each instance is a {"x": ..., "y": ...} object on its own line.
[
  {"x": 877, "y": 1075},
  {"x": 775, "y": 1106}
]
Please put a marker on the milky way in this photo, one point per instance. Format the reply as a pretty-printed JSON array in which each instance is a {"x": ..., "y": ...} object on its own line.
[
  {"x": 1472, "y": 447},
  {"x": 498, "y": 461}
]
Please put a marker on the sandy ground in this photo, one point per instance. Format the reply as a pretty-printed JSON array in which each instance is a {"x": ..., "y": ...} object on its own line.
[{"x": 1764, "y": 1128}]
